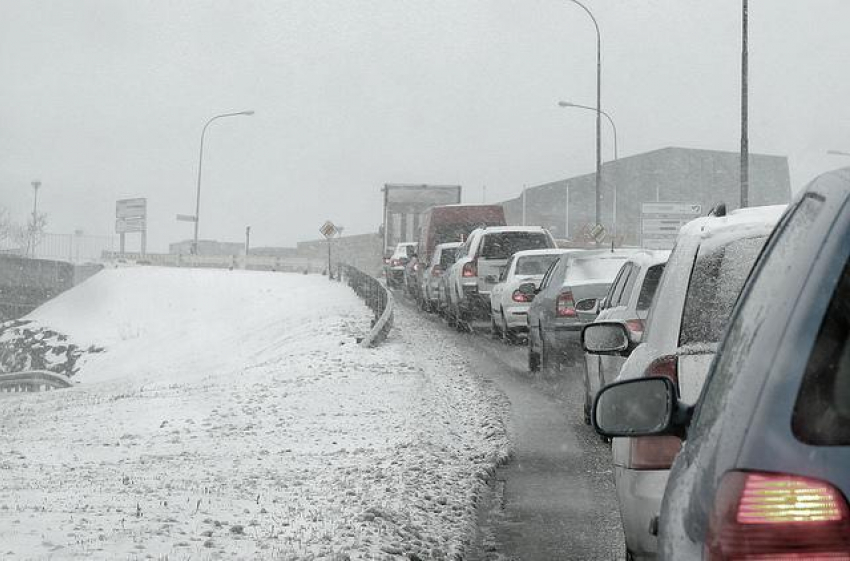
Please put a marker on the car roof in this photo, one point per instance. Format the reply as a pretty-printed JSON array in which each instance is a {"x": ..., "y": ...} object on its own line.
[
  {"x": 650, "y": 257},
  {"x": 737, "y": 223},
  {"x": 528, "y": 252},
  {"x": 448, "y": 245},
  {"x": 500, "y": 229}
]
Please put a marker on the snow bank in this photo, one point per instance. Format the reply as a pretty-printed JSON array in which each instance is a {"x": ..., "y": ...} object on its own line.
[{"x": 232, "y": 414}]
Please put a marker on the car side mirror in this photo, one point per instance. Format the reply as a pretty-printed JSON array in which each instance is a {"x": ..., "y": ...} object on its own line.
[
  {"x": 640, "y": 407},
  {"x": 528, "y": 290},
  {"x": 606, "y": 338},
  {"x": 588, "y": 306}
]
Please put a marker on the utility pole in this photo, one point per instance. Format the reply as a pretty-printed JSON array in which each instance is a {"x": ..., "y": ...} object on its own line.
[
  {"x": 31, "y": 241},
  {"x": 247, "y": 240},
  {"x": 745, "y": 142}
]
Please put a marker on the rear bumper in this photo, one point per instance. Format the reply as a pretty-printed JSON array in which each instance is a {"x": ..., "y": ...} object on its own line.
[{"x": 516, "y": 317}]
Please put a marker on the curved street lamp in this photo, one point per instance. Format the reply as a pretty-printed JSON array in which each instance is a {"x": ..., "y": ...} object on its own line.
[
  {"x": 598, "y": 111},
  {"x": 200, "y": 163},
  {"x": 607, "y": 116}
]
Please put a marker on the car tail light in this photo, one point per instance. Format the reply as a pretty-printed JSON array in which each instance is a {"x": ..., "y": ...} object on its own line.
[
  {"x": 635, "y": 327},
  {"x": 470, "y": 269},
  {"x": 518, "y": 296},
  {"x": 565, "y": 307},
  {"x": 773, "y": 516},
  {"x": 386, "y": 260},
  {"x": 396, "y": 262},
  {"x": 657, "y": 452},
  {"x": 437, "y": 270},
  {"x": 416, "y": 266}
]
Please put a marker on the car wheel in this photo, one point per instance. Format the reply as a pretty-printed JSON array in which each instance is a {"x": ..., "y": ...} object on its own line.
[
  {"x": 495, "y": 332},
  {"x": 587, "y": 402},
  {"x": 533, "y": 357},
  {"x": 545, "y": 359}
]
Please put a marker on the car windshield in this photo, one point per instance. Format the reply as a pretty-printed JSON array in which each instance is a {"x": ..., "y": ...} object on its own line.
[
  {"x": 227, "y": 329},
  {"x": 716, "y": 280},
  {"x": 502, "y": 245},
  {"x": 534, "y": 265}
]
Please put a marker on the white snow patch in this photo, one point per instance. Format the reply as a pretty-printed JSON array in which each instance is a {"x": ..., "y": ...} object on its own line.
[{"x": 233, "y": 415}]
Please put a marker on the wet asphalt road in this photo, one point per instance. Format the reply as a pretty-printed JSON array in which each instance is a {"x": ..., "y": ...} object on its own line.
[{"x": 555, "y": 499}]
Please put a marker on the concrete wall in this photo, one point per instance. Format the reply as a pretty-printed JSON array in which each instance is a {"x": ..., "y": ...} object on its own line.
[
  {"x": 362, "y": 251},
  {"x": 26, "y": 283},
  {"x": 704, "y": 177}
]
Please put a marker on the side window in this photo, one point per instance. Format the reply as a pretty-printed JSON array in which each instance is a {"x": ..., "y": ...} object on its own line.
[
  {"x": 626, "y": 272},
  {"x": 612, "y": 290},
  {"x": 822, "y": 412},
  {"x": 549, "y": 274},
  {"x": 650, "y": 285},
  {"x": 634, "y": 273}
]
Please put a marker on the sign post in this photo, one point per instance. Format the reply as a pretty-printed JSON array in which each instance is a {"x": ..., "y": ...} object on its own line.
[
  {"x": 660, "y": 222},
  {"x": 329, "y": 231},
  {"x": 131, "y": 216}
]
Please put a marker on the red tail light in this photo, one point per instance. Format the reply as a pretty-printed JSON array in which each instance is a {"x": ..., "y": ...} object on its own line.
[
  {"x": 470, "y": 269},
  {"x": 436, "y": 270},
  {"x": 657, "y": 452},
  {"x": 416, "y": 266},
  {"x": 386, "y": 260},
  {"x": 565, "y": 307},
  {"x": 518, "y": 296},
  {"x": 395, "y": 263},
  {"x": 777, "y": 516},
  {"x": 635, "y": 327}
]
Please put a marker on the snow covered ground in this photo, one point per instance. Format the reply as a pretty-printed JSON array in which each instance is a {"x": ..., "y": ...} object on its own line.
[{"x": 232, "y": 415}]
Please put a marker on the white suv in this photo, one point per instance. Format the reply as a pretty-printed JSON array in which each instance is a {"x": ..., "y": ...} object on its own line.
[
  {"x": 702, "y": 279},
  {"x": 479, "y": 264}
]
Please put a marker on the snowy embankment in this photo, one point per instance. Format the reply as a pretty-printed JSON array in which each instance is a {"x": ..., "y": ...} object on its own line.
[{"x": 231, "y": 414}]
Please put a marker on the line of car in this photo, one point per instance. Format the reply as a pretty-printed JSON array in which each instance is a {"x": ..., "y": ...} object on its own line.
[{"x": 739, "y": 382}]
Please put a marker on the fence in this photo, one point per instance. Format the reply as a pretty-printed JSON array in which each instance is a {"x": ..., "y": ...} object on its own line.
[
  {"x": 32, "y": 381},
  {"x": 376, "y": 296},
  {"x": 250, "y": 262}
]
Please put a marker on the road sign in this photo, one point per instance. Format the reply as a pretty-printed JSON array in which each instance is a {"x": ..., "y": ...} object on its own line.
[
  {"x": 131, "y": 208},
  {"x": 186, "y": 218},
  {"x": 660, "y": 222},
  {"x": 124, "y": 225},
  {"x": 328, "y": 229},
  {"x": 598, "y": 233}
]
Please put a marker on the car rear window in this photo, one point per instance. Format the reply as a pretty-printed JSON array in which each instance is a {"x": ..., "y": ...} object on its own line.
[
  {"x": 650, "y": 284},
  {"x": 822, "y": 412},
  {"x": 534, "y": 264},
  {"x": 502, "y": 245},
  {"x": 447, "y": 257},
  {"x": 595, "y": 268},
  {"x": 717, "y": 278}
]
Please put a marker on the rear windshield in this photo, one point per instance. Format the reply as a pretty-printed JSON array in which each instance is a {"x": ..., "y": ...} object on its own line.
[
  {"x": 716, "y": 280},
  {"x": 534, "y": 264},
  {"x": 595, "y": 268},
  {"x": 822, "y": 412},
  {"x": 459, "y": 231},
  {"x": 447, "y": 257},
  {"x": 504, "y": 244},
  {"x": 650, "y": 284}
]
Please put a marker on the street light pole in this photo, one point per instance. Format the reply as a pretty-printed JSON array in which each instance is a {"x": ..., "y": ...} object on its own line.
[
  {"x": 745, "y": 140},
  {"x": 31, "y": 242},
  {"x": 607, "y": 116},
  {"x": 200, "y": 164},
  {"x": 598, "y": 111}
]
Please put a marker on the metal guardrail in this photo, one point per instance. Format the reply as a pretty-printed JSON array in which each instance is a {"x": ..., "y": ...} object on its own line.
[
  {"x": 376, "y": 296},
  {"x": 33, "y": 381}
]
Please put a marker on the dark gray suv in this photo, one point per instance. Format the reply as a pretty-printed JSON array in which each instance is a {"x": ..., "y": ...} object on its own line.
[{"x": 765, "y": 471}]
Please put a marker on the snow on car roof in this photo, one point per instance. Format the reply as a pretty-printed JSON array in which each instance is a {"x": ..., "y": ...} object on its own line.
[
  {"x": 448, "y": 245},
  {"x": 759, "y": 218},
  {"x": 527, "y": 252},
  {"x": 498, "y": 229}
]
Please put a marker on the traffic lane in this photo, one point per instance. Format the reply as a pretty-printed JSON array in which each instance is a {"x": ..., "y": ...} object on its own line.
[{"x": 556, "y": 498}]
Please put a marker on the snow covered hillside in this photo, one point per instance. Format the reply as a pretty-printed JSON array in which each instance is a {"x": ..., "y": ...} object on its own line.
[{"x": 232, "y": 414}]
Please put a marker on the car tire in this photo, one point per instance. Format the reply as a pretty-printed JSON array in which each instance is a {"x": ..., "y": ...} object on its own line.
[
  {"x": 533, "y": 357},
  {"x": 495, "y": 331}
]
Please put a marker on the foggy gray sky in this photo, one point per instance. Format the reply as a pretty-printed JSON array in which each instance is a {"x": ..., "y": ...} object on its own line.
[{"x": 106, "y": 99}]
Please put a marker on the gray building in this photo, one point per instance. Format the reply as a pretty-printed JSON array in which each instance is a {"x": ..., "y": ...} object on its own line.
[{"x": 681, "y": 175}]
